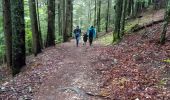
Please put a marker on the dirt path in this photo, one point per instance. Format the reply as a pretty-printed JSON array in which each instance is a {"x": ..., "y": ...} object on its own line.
[
  {"x": 64, "y": 72},
  {"x": 71, "y": 77}
]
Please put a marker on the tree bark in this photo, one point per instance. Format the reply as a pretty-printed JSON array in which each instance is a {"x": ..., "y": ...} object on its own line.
[
  {"x": 95, "y": 13},
  {"x": 59, "y": 18},
  {"x": 64, "y": 20},
  {"x": 7, "y": 30},
  {"x": 51, "y": 24},
  {"x": 18, "y": 35},
  {"x": 107, "y": 15},
  {"x": 68, "y": 21},
  {"x": 118, "y": 16},
  {"x": 71, "y": 17},
  {"x": 39, "y": 25},
  {"x": 123, "y": 17},
  {"x": 98, "y": 16},
  {"x": 166, "y": 22},
  {"x": 34, "y": 25}
]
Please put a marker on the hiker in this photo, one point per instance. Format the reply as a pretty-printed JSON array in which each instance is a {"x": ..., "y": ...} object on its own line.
[
  {"x": 91, "y": 34},
  {"x": 85, "y": 37},
  {"x": 77, "y": 33}
]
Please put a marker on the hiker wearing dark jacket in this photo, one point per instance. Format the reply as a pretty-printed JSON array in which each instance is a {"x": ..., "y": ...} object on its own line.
[
  {"x": 77, "y": 33},
  {"x": 91, "y": 34},
  {"x": 85, "y": 37}
]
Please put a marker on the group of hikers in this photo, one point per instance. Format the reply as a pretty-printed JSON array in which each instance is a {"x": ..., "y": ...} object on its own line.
[{"x": 90, "y": 34}]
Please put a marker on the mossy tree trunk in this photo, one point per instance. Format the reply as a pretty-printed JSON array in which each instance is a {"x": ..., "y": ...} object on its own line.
[
  {"x": 166, "y": 22},
  {"x": 95, "y": 13},
  {"x": 118, "y": 16},
  {"x": 107, "y": 15},
  {"x": 18, "y": 35},
  {"x": 99, "y": 15},
  {"x": 59, "y": 18},
  {"x": 7, "y": 31},
  {"x": 68, "y": 24},
  {"x": 39, "y": 25},
  {"x": 51, "y": 24},
  {"x": 123, "y": 17},
  {"x": 35, "y": 29}
]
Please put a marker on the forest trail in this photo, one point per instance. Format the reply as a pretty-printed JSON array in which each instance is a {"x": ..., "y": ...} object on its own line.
[
  {"x": 65, "y": 72},
  {"x": 71, "y": 75}
]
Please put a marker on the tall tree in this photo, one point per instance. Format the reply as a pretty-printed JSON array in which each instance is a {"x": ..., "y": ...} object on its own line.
[
  {"x": 39, "y": 26},
  {"x": 118, "y": 16},
  {"x": 18, "y": 35},
  {"x": 51, "y": 24},
  {"x": 133, "y": 8},
  {"x": 89, "y": 11},
  {"x": 123, "y": 17},
  {"x": 71, "y": 16},
  {"x": 35, "y": 31},
  {"x": 7, "y": 30},
  {"x": 107, "y": 15},
  {"x": 68, "y": 24},
  {"x": 64, "y": 19},
  {"x": 166, "y": 22},
  {"x": 99, "y": 15},
  {"x": 95, "y": 12},
  {"x": 129, "y": 7},
  {"x": 59, "y": 18}
]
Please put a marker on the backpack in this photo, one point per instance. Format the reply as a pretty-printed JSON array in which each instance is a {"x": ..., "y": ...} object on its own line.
[
  {"x": 91, "y": 33},
  {"x": 77, "y": 32}
]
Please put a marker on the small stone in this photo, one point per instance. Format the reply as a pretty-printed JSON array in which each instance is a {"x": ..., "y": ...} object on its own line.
[
  {"x": 12, "y": 89},
  {"x": 115, "y": 61},
  {"x": 2, "y": 89},
  {"x": 137, "y": 99},
  {"x": 5, "y": 84},
  {"x": 29, "y": 89},
  {"x": 21, "y": 98},
  {"x": 137, "y": 58}
]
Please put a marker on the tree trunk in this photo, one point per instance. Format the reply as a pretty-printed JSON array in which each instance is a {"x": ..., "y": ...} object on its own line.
[
  {"x": 39, "y": 25},
  {"x": 7, "y": 31},
  {"x": 89, "y": 12},
  {"x": 64, "y": 20},
  {"x": 166, "y": 19},
  {"x": 95, "y": 12},
  {"x": 133, "y": 8},
  {"x": 107, "y": 15},
  {"x": 59, "y": 18},
  {"x": 129, "y": 7},
  {"x": 123, "y": 17},
  {"x": 18, "y": 35},
  {"x": 118, "y": 16},
  {"x": 34, "y": 25},
  {"x": 51, "y": 24},
  {"x": 98, "y": 15},
  {"x": 68, "y": 23},
  {"x": 71, "y": 17}
]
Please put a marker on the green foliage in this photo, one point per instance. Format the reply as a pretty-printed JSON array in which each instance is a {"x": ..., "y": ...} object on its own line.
[
  {"x": 59, "y": 39},
  {"x": 2, "y": 52},
  {"x": 162, "y": 82},
  {"x": 28, "y": 41},
  {"x": 2, "y": 46},
  {"x": 166, "y": 60},
  {"x": 106, "y": 40},
  {"x": 129, "y": 26}
]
